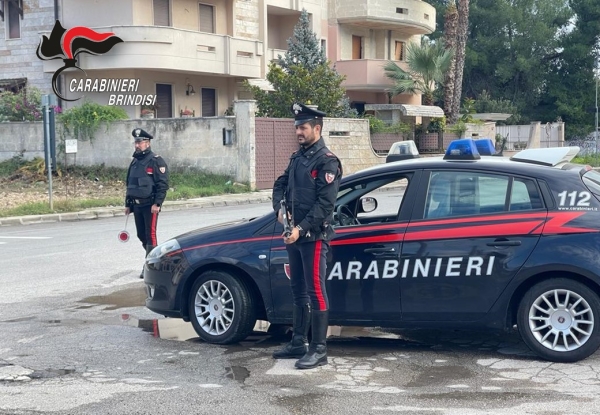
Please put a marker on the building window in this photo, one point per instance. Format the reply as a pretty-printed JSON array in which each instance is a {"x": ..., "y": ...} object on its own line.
[
  {"x": 357, "y": 52},
  {"x": 164, "y": 101},
  {"x": 209, "y": 102},
  {"x": 324, "y": 46},
  {"x": 13, "y": 22},
  {"x": 399, "y": 51},
  {"x": 162, "y": 13},
  {"x": 207, "y": 18}
]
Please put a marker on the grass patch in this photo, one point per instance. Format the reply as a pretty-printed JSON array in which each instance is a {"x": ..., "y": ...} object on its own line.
[
  {"x": 184, "y": 183},
  {"x": 60, "y": 206},
  {"x": 592, "y": 160}
]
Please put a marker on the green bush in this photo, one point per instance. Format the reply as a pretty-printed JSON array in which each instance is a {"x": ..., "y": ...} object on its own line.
[
  {"x": 83, "y": 121},
  {"x": 26, "y": 105}
]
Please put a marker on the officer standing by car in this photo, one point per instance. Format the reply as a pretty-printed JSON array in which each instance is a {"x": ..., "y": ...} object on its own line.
[
  {"x": 309, "y": 186},
  {"x": 147, "y": 185}
]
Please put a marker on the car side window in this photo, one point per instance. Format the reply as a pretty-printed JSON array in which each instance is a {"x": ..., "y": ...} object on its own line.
[
  {"x": 456, "y": 193},
  {"x": 371, "y": 200},
  {"x": 524, "y": 195}
]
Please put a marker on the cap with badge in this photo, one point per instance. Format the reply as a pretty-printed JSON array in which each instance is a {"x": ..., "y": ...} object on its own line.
[
  {"x": 303, "y": 113},
  {"x": 139, "y": 134}
]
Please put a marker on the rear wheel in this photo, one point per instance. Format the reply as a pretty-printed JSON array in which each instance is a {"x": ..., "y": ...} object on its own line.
[
  {"x": 221, "y": 308},
  {"x": 559, "y": 320}
]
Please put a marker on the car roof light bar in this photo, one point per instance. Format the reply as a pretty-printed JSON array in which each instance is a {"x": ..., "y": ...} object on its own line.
[
  {"x": 552, "y": 156},
  {"x": 485, "y": 146},
  {"x": 463, "y": 149}
]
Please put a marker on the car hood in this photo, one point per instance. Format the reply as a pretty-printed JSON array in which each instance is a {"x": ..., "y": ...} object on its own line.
[{"x": 222, "y": 231}]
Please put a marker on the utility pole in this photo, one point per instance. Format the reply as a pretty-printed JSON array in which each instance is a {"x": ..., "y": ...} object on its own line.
[
  {"x": 597, "y": 78},
  {"x": 48, "y": 102}
]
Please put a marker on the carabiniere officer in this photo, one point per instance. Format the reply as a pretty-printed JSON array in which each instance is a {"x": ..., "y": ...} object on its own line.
[
  {"x": 147, "y": 185},
  {"x": 310, "y": 185}
]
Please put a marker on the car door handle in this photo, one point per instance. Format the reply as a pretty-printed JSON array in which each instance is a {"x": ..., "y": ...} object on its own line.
[
  {"x": 504, "y": 242},
  {"x": 380, "y": 250}
]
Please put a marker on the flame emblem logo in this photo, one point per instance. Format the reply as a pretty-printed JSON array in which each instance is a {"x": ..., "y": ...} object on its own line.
[{"x": 67, "y": 44}]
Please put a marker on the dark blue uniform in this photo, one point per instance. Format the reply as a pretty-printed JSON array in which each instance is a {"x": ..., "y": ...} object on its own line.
[
  {"x": 309, "y": 185},
  {"x": 147, "y": 184}
]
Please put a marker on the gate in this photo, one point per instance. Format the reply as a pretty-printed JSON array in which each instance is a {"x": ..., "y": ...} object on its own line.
[{"x": 275, "y": 142}]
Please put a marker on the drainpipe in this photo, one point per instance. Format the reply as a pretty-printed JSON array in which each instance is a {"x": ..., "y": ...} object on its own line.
[{"x": 389, "y": 39}]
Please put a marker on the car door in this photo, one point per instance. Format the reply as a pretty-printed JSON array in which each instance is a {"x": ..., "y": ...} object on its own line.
[
  {"x": 471, "y": 232},
  {"x": 362, "y": 278}
]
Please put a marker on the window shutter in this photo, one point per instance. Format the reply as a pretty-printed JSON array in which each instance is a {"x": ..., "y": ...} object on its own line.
[
  {"x": 209, "y": 102},
  {"x": 161, "y": 13},
  {"x": 207, "y": 18},
  {"x": 164, "y": 100}
]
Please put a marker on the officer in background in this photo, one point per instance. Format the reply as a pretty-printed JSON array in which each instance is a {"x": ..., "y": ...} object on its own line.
[
  {"x": 309, "y": 185},
  {"x": 147, "y": 185}
]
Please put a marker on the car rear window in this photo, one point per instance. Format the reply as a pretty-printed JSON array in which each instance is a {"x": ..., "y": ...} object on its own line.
[{"x": 591, "y": 179}]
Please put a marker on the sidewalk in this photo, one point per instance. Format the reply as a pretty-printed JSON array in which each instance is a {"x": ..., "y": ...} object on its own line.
[{"x": 109, "y": 212}]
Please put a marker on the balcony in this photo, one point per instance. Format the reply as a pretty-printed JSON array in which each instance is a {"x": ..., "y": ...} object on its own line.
[
  {"x": 273, "y": 54},
  {"x": 366, "y": 74},
  {"x": 170, "y": 49},
  {"x": 412, "y": 17}
]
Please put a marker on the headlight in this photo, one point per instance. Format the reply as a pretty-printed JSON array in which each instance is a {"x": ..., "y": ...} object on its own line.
[{"x": 163, "y": 249}]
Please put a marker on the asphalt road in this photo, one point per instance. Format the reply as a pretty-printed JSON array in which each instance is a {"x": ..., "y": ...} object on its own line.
[{"x": 76, "y": 339}]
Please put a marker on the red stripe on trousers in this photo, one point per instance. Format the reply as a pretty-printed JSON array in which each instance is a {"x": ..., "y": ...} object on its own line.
[
  {"x": 316, "y": 279},
  {"x": 153, "y": 229}
]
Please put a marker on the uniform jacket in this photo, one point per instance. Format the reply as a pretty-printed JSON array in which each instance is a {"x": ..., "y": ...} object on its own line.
[
  {"x": 147, "y": 180},
  {"x": 310, "y": 185}
]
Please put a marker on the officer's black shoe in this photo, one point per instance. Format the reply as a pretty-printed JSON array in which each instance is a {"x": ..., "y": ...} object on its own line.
[
  {"x": 317, "y": 351},
  {"x": 299, "y": 344},
  {"x": 142, "y": 274}
]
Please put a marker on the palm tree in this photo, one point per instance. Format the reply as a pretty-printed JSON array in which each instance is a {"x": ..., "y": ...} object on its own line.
[
  {"x": 461, "y": 43},
  {"x": 450, "y": 28},
  {"x": 427, "y": 65}
]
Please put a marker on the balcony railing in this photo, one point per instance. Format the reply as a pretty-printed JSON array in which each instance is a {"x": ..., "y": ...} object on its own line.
[
  {"x": 415, "y": 17},
  {"x": 366, "y": 74},
  {"x": 167, "y": 48}
]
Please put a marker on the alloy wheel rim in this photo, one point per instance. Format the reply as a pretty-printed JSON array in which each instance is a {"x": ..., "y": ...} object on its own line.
[
  {"x": 214, "y": 307},
  {"x": 561, "y": 320}
]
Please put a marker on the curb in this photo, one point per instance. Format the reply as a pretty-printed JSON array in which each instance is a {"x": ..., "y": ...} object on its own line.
[{"x": 99, "y": 213}]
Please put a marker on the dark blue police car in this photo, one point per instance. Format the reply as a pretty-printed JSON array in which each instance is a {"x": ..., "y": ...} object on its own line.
[{"x": 460, "y": 241}]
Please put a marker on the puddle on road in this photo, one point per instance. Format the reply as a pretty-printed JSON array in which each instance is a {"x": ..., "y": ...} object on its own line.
[
  {"x": 238, "y": 373},
  {"x": 130, "y": 297},
  {"x": 440, "y": 375}
]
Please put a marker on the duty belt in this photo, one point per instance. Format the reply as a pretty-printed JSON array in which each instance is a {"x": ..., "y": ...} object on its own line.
[{"x": 142, "y": 201}]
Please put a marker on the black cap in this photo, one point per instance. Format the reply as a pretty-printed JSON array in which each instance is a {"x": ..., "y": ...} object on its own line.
[
  {"x": 303, "y": 114},
  {"x": 140, "y": 134}
]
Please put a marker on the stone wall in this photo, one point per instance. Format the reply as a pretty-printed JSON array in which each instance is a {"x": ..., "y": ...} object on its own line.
[{"x": 192, "y": 142}]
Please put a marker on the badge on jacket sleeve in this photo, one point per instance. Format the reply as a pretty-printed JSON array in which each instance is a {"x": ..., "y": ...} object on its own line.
[
  {"x": 162, "y": 169},
  {"x": 329, "y": 177}
]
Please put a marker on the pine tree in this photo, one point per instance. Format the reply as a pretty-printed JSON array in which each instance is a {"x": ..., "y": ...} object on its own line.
[
  {"x": 303, "y": 47},
  {"x": 302, "y": 75}
]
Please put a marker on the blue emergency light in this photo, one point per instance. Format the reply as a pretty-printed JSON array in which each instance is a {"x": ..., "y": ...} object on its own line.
[
  {"x": 485, "y": 146},
  {"x": 463, "y": 149}
]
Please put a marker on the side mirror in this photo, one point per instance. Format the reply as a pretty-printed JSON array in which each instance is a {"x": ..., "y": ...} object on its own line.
[{"x": 368, "y": 204}]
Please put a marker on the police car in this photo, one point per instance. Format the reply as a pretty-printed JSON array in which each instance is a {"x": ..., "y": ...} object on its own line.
[{"x": 459, "y": 241}]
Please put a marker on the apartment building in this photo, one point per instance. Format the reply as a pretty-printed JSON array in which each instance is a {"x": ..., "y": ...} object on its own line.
[
  {"x": 194, "y": 54},
  {"x": 21, "y": 22}
]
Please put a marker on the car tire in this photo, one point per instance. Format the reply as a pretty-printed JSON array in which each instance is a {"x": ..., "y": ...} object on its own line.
[
  {"x": 559, "y": 319},
  {"x": 221, "y": 308}
]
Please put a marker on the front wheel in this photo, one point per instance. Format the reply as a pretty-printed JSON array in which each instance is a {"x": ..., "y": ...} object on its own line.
[
  {"x": 559, "y": 320},
  {"x": 221, "y": 308}
]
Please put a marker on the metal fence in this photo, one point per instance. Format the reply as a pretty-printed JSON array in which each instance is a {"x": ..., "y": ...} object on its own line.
[{"x": 550, "y": 135}]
